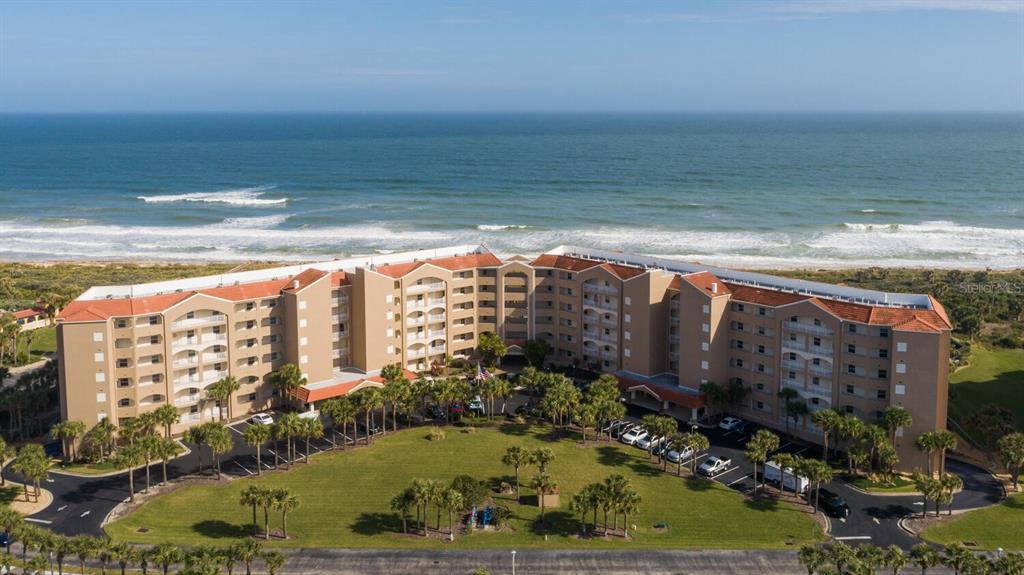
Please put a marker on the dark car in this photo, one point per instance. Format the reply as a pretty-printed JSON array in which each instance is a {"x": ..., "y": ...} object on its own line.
[
  {"x": 832, "y": 504},
  {"x": 435, "y": 412}
]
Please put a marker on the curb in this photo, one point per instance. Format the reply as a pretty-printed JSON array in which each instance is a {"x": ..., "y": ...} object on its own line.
[{"x": 118, "y": 471}]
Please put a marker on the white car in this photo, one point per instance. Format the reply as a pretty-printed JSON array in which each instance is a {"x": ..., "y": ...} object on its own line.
[
  {"x": 714, "y": 465},
  {"x": 477, "y": 405},
  {"x": 649, "y": 442},
  {"x": 677, "y": 454},
  {"x": 728, "y": 423},
  {"x": 261, "y": 419},
  {"x": 633, "y": 435}
]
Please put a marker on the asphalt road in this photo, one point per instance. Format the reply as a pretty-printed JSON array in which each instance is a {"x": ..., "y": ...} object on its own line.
[{"x": 81, "y": 503}]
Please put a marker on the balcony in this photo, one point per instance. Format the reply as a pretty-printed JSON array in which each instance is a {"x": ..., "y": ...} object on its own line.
[
  {"x": 793, "y": 364},
  {"x": 435, "y": 302},
  {"x": 214, "y": 357},
  {"x": 437, "y": 334},
  {"x": 415, "y": 304},
  {"x": 435, "y": 317},
  {"x": 807, "y": 328},
  {"x": 598, "y": 288},
  {"x": 186, "y": 362},
  {"x": 424, "y": 288},
  {"x": 187, "y": 400},
  {"x": 416, "y": 336},
  {"x": 414, "y": 321},
  {"x": 437, "y": 349},
  {"x": 421, "y": 352},
  {"x": 216, "y": 319},
  {"x": 341, "y": 300},
  {"x": 819, "y": 370}
]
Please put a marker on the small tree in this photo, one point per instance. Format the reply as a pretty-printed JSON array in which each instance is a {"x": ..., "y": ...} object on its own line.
[
  {"x": 542, "y": 484},
  {"x": 535, "y": 351},
  {"x": 1011, "y": 451},
  {"x": 517, "y": 458},
  {"x": 256, "y": 436},
  {"x": 492, "y": 348}
]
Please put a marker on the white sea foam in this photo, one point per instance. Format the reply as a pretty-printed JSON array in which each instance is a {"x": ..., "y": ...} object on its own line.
[
  {"x": 499, "y": 227},
  {"x": 925, "y": 244},
  {"x": 240, "y": 197}
]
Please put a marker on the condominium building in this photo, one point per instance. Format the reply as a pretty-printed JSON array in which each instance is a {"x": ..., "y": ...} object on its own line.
[{"x": 663, "y": 327}]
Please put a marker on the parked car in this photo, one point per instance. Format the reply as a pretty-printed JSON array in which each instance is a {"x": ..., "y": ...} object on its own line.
[
  {"x": 677, "y": 454},
  {"x": 714, "y": 465},
  {"x": 729, "y": 423},
  {"x": 648, "y": 442},
  {"x": 261, "y": 419},
  {"x": 832, "y": 504},
  {"x": 435, "y": 412},
  {"x": 622, "y": 428},
  {"x": 633, "y": 435},
  {"x": 476, "y": 405},
  {"x": 612, "y": 425}
]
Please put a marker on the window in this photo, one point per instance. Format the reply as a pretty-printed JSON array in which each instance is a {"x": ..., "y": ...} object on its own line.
[
  {"x": 704, "y": 365},
  {"x": 792, "y": 357},
  {"x": 739, "y": 307},
  {"x": 850, "y": 348},
  {"x": 739, "y": 344},
  {"x": 625, "y": 335},
  {"x": 154, "y": 339},
  {"x": 883, "y": 353},
  {"x": 759, "y": 404},
  {"x": 124, "y": 382},
  {"x": 793, "y": 319},
  {"x": 158, "y": 377},
  {"x": 121, "y": 323},
  {"x": 850, "y": 368},
  {"x": 250, "y": 324},
  {"x": 303, "y": 340},
  {"x": 272, "y": 320},
  {"x": 901, "y": 346},
  {"x": 901, "y": 367},
  {"x": 901, "y": 389},
  {"x": 275, "y": 338},
  {"x": 250, "y": 306},
  {"x": 705, "y": 328},
  {"x": 628, "y": 299},
  {"x": 251, "y": 397},
  {"x": 792, "y": 337},
  {"x": 883, "y": 332},
  {"x": 739, "y": 363},
  {"x": 760, "y": 330},
  {"x": 815, "y": 381},
  {"x": 303, "y": 323},
  {"x": 851, "y": 328},
  {"x": 154, "y": 319},
  {"x": 100, "y": 377},
  {"x": 274, "y": 356},
  {"x": 883, "y": 373},
  {"x": 762, "y": 311},
  {"x": 101, "y": 397},
  {"x": 706, "y": 308},
  {"x": 815, "y": 401},
  {"x": 849, "y": 409},
  {"x": 122, "y": 363},
  {"x": 792, "y": 375},
  {"x": 304, "y": 359},
  {"x": 124, "y": 403},
  {"x": 817, "y": 342},
  {"x": 816, "y": 361},
  {"x": 97, "y": 336},
  {"x": 391, "y": 349},
  {"x": 251, "y": 361},
  {"x": 98, "y": 357},
  {"x": 625, "y": 352},
  {"x": 760, "y": 367},
  {"x": 190, "y": 315},
  {"x": 739, "y": 325},
  {"x": 817, "y": 321},
  {"x": 850, "y": 389},
  {"x": 627, "y": 318},
  {"x": 760, "y": 349},
  {"x": 760, "y": 386},
  {"x": 302, "y": 304},
  {"x": 881, "y": 394},
  {"x": 705, "y": 346}
]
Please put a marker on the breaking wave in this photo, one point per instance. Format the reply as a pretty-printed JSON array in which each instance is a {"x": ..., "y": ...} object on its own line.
[{"x": 240, "y": 197}]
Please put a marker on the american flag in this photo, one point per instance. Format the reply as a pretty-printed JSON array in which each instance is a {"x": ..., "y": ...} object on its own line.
[{"x": 481, "y": 373}]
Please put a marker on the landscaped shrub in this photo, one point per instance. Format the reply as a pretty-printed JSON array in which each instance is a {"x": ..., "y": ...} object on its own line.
[
  {"x": 436, "y": 434},
  {"x": 473, "y": 491},
  {"x": 500, "y": 515},
  {"x": 505, "y": 487}
]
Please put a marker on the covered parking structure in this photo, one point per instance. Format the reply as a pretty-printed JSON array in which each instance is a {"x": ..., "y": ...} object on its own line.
[{"x": 662, "y": 394}]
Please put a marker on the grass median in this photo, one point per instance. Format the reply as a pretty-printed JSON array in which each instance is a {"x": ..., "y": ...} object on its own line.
[{"x": 344, "y": 499}]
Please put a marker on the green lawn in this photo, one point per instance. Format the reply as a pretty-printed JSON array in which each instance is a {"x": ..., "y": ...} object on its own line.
[
  {"x": 994, "y": 376},
  {"x": 44, "y": 340},
  {"x": 898, "y": 485},
  {"x": 86, "y": 468},
  {"x": 999, "y": 526},
  {"x": 344, "y": 499}
]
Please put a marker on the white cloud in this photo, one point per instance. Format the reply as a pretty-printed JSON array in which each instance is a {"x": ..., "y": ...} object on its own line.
[{"x": 857, "y": 6}]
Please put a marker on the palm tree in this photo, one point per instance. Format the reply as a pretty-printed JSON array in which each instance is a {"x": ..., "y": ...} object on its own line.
[
  {"x": 285, "y": 502},
  {"x": 396, "y": 387},
  {"x": 144, "y": 558},
  {"x": 255, "y": 436},
  {"x": 149, "y": 447},
  {"x": 401, "y": 504},
  {"x": 923, "y": 556},
  {"x": 870, "y": 557},
  {"x": 250, "y": 497},
  {"x": 166, "y": 554},
  {"x": 928, "y": 442},
  {"x": 851, "y": 428},
  {"x": 266, "y": 501},
  {"x": 951, "y": 483},
  {"x": 813, "y": 558},
  {"x": 420, "y": 492},
  {"x": 956, "y": 556},
  {"x": 787, "y": 395},
  {"x": 842, "y": 555},
  {"x": 274, "y": 560},
  {"x": 896, "y": 417},
  {"x": 67, "y": 432},
  {"x": 627, "y": 502},
  {"x": 221, "y": 392},
  {"x": 288, "y": 428},
  {"x": 341, "y": 412},
  {"x": 62, "y": 547},
  {"x": 82, "y": 547},
  {"x": 517, "y": 458},
  {"x": 196, "y": 435},
  {"x": 827, "y": 420},
  {"x": 248, "y": 551},
  {"x": 698, "y": 443},
  {"x": 581, "y": 503},
  {"x": 231, "y": 555},
  {"x": 759, "y": 447},
  {"x": 784, "y": 461},
  {"x": 542, "y": 483},
  {"x": 312, "y": 428},
  {"x": 167, "y": 416},
  {"x": 34, "y": 465},
  {"x": 542, "y": 457},
  {"x": 166, "y": 450},
  {"x": 944, "y": 441},
  {"x": 103, "y": 553},
  {"x": 6, "y": 452},
  {"x": 894, "y": 557},
  {"x": 817, "y": 472},
  {"x": 219, "y": 439},
  {"x": 9, "y": 521},
  {"x": 286, "y": 380},
  {"x": 122, "y": 554},
  {"x": 452, "y": 501}
]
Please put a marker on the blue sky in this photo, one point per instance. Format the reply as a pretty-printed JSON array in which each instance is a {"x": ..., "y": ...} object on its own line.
[{"x": 491, "y": 56}]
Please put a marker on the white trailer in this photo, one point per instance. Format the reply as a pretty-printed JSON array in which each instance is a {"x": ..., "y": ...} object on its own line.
[{"x": 773, "y": 474}]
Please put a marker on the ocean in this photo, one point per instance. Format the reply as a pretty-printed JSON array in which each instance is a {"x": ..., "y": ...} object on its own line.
[{"x": 742, "y": 190}]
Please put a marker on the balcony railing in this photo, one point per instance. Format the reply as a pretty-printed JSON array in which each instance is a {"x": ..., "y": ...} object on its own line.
[
  {"x": 598, "y": 288},
  {"x": 437, "y": 334},
  {"x": 819, "y": 370},
  {"x": 421, "y": 352},
  {"x": 187, "y": 400},
  {"x": 217, "y": 356},
  {"x": 421, "y": 288},
  {"x": 807, "y": 328},
  {"x": 189, "y": 361},
  {"x": 416, "y": 336},
  {"x": 215, "y": 319},
  {"x": 793, "y": 364}
]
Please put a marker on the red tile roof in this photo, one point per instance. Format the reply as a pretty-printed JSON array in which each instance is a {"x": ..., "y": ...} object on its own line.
[
  {"x": 340, "y": 279},
  {"x": 762, "y": 296},
  {"x": 397, "y": 270},
  {"x": 307, "y": 395},
  {"x": 305, "y": 279},
  {"x": 454, "y": 263},
  {"x": 662, "y": 392},
  {"x": 705, "y": 281},
  {"x": 248, "y": 291},
  {"x": 26, "y": 313},
  {"x": 567, "y": 263},
  {"x": 93, "y": 310}
]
